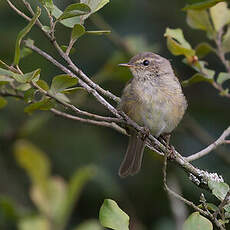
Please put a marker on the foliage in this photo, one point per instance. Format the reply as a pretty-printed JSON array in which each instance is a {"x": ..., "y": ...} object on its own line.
[{"x": 53, "y": 197}]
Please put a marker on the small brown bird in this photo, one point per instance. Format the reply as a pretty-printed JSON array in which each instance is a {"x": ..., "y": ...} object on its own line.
[{"x": 154, "y": 99}]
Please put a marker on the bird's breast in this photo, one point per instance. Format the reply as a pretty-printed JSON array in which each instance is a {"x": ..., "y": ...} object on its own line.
[{"x": 159, "y": 108}]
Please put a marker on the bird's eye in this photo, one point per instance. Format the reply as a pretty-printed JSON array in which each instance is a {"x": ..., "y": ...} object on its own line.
[{"x": 146, "y": 62}]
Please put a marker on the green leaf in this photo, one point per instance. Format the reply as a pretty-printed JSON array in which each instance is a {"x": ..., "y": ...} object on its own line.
[
  {"x": 3, "y": 102},
  {"x": 222, "y": 77},
  {"x": 203, "y": 49},
  {"x": 69, "y": 22},
  {"x": 76, "y": 184},
  {"x": 89, "y": 225},
  {"x": 111, "y": 216},
  {"x": 22, "y": 34},
  {"x": 226, "y": 41},
  {"x": 94, "y": 5},
  {"x": 43, "y": 84},
  {"x": 62, "y": 82},
  {"x": 28, "y": 77},
  {"x": 98, "y": 32},
  {"x": 72, "y": 90},
  {"x": 197, "y": 222},
  {"x": 50, "y": 202},
  {"x": 200, "y": 20},
  {"x": 64, "y": 48},
  {"x": 74, "y": 10},
  {"x": 25, "y": 52},
  {"x": 177, "y": 44},
  {"x": 45, "y": 104},
  {"x": 201, "y": 5},
  {"x": 34, "y": 222},
  {"x": 219, "y": 189},
  {"x": 48, "y": 4},
  {"x": 77, "y": 32},
  {"x": 220, "y": 15},
  {"x": 23, "y": 87},
  {"x": 195, "y": 79},
  {"x": 34, "y": 161},
  {"x": 5, "y": 79},
  {"x": 5, "y": 72}
]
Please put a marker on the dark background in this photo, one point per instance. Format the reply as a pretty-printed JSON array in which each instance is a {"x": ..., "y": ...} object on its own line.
[{"x": 70, "y": 144}]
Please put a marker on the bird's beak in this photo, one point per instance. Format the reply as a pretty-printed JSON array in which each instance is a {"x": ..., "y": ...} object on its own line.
[{"x": 125, "y": 64}]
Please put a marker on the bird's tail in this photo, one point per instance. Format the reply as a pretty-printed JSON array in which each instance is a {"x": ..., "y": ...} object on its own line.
[{"x": 133, "y": 157}]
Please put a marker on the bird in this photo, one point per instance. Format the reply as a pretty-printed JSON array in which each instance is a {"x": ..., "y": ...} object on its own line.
[{"x": 154, "y": 99}]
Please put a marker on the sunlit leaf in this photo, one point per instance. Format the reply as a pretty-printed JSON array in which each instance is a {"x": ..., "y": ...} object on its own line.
[
  {"x": 89, "y": 225},
  {"x": 177, "y": 44},
  {"x": 28, "y": 77},
  {"x": 69, "y": 22},
  {"x": 48, "y": 4},
  {"x": 45, "y": 104},
  {"x": 94, "y": 5},
  {"x": 197, "y": 222},
  {"x": 222, "y": 77},
  {"x": 77, "y": 32},
  {"x": 220, "y": 15},
  {"x": 23, "y": 87},
  {"x": 62, "y": 82},
  {"x": 195, "y": 79},
  {"x": 22, "y": 34},
  {"x": 226, "y": 41},
  {"x": 5, "y": 72},
  {"x": 74, "y": 10},
  {"x": 98, "y": 32},
  {"x": 203, "y": 49},
  {"x": 35, "y": 223},
  {"x": 34, "y": 161},
  {"x": 200, "y": 20},
  {"x": 202, "y": 4},
  {"x": 5, "y": 79},
  {"x": 219, "y": 189},
  {"x": 111, "y": 216},
  {"x": 3, "y": 102}
]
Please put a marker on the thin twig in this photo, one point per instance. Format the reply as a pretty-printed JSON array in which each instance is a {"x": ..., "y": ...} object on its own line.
[
  {"x": 169, "y": 191},
  {"x": 89, "y": 121},
  {"x": 214, "y": 145},
  {"x": 75, "y": 109},
  {"x": 82, "y": 83},
  {"x": 189, "y": 203},
  {"x": 18, "y": 11}
]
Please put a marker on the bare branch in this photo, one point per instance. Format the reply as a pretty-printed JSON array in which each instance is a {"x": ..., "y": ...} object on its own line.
[
  {"x": 170, "y": 192},
  {"x": 89, "y": 121},
  {"x": 214, "y": 145},
  {"x": 82, "y": 83},
  {"x": 18, "y": 11},
  {"x": 75, "y": 109}
]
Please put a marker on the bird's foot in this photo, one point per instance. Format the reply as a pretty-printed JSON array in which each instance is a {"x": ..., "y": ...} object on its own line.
[
  {"x": 170, "y": 149},
  {"x": 144, "y": 133}
]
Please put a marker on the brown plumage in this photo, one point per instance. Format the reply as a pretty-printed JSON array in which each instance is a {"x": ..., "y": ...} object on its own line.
[{"x": 154, "y": 99}]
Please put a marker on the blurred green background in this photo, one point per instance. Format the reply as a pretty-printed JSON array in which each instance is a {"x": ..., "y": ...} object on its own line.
[{"x": 70, "y": 145}]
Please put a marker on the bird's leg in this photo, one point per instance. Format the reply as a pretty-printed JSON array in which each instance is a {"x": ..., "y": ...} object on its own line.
[{"x": 166, "y": 137}]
